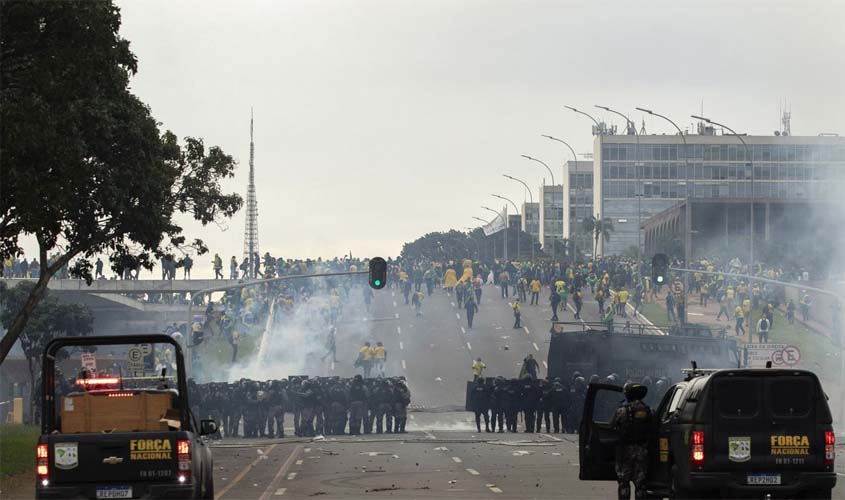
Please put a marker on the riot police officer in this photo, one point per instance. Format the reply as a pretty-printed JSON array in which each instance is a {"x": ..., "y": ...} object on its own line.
[
  {"x": 632, "y": 423},
  {"x": 358, "y": 396},
  {"x": 480, "y": 403}
]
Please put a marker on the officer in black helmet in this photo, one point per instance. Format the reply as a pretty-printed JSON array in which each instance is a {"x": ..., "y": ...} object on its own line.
[{"x": 632, "y": 423}]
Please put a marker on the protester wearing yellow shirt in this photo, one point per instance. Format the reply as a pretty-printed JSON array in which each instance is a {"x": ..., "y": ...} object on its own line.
[
  {"x": 379, "y": 355},
  {"x": 535, "y": 291},
  {"x": 478, "y": 367},
  {"x": 365, "y": 359},
  {"x": 739, "y": 320}
]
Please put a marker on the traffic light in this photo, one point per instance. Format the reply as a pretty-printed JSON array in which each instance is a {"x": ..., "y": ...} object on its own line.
[
  {"x": 660, "y": 269},
  {"x": 378, "y": 273}
]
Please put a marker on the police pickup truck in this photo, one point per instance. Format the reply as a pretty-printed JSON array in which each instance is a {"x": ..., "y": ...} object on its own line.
[
  {"x": 735, "y": 433},
  {"x": 121, "y": 426}
]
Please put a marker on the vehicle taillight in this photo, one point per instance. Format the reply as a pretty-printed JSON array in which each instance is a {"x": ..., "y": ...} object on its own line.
[
  {"x": 42, "y": 454},
  {"x": 697, "y": 448},
  {"x": 829, "y": 442},
  {"x": 183, "y": 451}
]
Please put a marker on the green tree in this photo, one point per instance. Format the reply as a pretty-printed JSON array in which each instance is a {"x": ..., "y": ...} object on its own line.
[
  {"x": 600, "y": 228},
  {"x": 49, "y": 320},
  {"x": 86, "y": 169}
]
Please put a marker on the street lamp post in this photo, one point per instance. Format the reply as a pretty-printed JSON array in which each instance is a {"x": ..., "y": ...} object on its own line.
[
  {"x": 598, "y": 127},
  {"x": 519, "y": 232},
  {"x": 530, "y": 196},
  {"x": 751, "y": 239},
  {"x": 687, "y": 212},
  {"x": 629, "y": 124},
  {"x": 575, "y": 165},
  {"x": 543, "y": 164}
]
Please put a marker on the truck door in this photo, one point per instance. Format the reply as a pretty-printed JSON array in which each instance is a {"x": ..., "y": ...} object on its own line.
[{"x": 596, "y": 439}]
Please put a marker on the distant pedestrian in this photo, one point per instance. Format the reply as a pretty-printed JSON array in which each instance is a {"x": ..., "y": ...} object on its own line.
[
  {"x": 218, "y": 267},
  {"x": 790, "y": 312},
  {"x": 517, "y": 314},
  {"x": 471, "y": 308},
  {"x": 763, "y": 330},
  {"x": 478, "y": 367},
  {"x": 98, "y": 268},
  {"x": 188, "y": 264}
]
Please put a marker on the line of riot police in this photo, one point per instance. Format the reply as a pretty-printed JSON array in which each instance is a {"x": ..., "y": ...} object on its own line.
[
  {"x": 319, "y": 406},
  {"x": 500, "y": 402}
]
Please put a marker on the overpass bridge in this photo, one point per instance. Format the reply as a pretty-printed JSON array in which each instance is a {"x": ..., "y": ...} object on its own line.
[{"x": 120, "y": 306}]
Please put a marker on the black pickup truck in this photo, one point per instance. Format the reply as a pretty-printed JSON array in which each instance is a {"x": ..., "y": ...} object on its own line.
[{"x": 122, "y": 431}]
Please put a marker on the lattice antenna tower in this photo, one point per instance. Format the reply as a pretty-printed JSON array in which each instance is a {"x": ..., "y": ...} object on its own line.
[{"x": 251, "y": 229}]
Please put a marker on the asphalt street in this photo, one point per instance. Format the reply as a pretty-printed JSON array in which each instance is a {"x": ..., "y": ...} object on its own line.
[{"x": 442, "y": 456}]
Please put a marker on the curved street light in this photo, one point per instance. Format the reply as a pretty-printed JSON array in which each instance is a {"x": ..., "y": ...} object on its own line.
[
  {"x": 519, "y": 232},
  {"x": 531, "y": 196},
  {"x": 598, "y": 127},
  {"x": 688, "y": 211},
  {"x": 629, "y": 124},
  {"x": 541, "y": 162}
]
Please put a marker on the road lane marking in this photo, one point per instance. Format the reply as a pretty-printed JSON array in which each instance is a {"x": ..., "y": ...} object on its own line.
[
  {"x": 495, "y": 489},
  {"x": 473, "y": 472},
  {"x": 394, "y": 303},
  {"x": 469, "y": 346},
  {"x": 307, "y": 450},
  {"x": 457, "y": 315},
  {"x": 396, "y": 315},
  {"x": 457, "y": 460},
  {"x": 243, "y": 473},
  {"x": 274, "y": 484},
  {"x": 535, "y": 345},
  {"x": 401, "y": 345},
  {"x": 332, "y": 365},
  {"x": 399, "y": 330},
  {"x": 299, "y": 462},
  {"x": 527, "y": 332},
  {"x": 393, "y": 294},
  {"x": 291, "y": 476},
  {"x": 403, "y": 365},
  {"x": 453, "y": 304},
  {"x": 463, "y": 330}
]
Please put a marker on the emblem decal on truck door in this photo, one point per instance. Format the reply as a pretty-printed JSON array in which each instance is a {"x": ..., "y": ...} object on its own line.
[
  {"x": 67, "y": 455},
  {"x": 739, "y": 449}
]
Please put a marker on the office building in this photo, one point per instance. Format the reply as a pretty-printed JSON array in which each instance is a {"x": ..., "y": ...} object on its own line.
[
  {"x": 551, "y": 218},
  {"x": 578, "y": 200},
  {"x": 636, "y": 178}
]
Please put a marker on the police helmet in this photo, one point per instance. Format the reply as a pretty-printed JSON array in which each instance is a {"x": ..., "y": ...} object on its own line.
[
  {"x": 479, "y": 381},
  {"x": 634, "y": 392},
  {"x": 580, "y": 381},
  {"x": 646, "y": 380},
  {"x": 594, "y": 378}
]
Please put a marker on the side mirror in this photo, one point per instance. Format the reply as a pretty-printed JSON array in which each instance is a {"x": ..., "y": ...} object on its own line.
[{"x": 208, "y": 427}]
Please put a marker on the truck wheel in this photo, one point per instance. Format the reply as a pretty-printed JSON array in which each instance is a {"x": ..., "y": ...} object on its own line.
[{"x": 678, "y": 493}]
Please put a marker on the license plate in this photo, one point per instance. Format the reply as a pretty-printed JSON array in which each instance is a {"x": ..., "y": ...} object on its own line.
[
  {"x": 114, "y": 492},
  {"x": 761, "y": 478}
]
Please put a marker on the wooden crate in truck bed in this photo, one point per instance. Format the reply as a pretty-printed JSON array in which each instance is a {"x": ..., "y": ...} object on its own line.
[{"x": 123, "y": 411}]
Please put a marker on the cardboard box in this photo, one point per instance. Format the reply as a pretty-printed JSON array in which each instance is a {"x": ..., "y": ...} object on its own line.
[{"x": 106, "y": 412}]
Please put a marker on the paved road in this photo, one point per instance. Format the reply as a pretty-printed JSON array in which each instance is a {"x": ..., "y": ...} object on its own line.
[
  {"x": 442, "y": 456},
  {"x": 431, "y": 464}
]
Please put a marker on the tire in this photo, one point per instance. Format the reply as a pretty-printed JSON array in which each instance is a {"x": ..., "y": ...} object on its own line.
[{"x": 679, "y": 493}]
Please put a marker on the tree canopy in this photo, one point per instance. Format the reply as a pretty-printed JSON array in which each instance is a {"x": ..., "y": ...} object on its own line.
[{"x": 86, "y": 169}]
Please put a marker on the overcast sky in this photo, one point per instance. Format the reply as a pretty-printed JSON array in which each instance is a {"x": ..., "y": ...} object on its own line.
[{"x": 379, "y": 121}]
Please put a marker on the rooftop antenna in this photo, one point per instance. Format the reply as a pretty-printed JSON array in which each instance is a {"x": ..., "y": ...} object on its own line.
[
  {"x": 251, "y": 229},
  {"x": 786, "y": 117}
]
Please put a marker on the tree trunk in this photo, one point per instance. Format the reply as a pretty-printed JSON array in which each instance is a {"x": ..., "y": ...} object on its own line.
[
  {"x": 22, "y": 317},
  {"x": 32, "y": 391}
]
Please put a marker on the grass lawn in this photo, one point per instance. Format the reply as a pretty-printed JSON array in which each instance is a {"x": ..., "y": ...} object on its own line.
[
  {"x": 17, "y": 448},
  {"x": 217, "y": 351},
  {"x": 818, "y": 353}
]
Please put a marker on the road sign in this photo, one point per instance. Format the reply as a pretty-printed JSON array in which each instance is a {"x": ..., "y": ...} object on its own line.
[
  {"x": 135, "y": 358},
  {"x": 89, "y": 360},
  {"x": 780, "y": 355}
]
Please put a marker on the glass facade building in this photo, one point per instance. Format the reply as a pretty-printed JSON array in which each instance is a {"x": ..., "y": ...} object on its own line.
[
  {"x": 531, "y": 219},
  {"x": 633, "y": 182},
  {"x": 551, "y": 216},
  {"x": 578, "y": 198}
]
